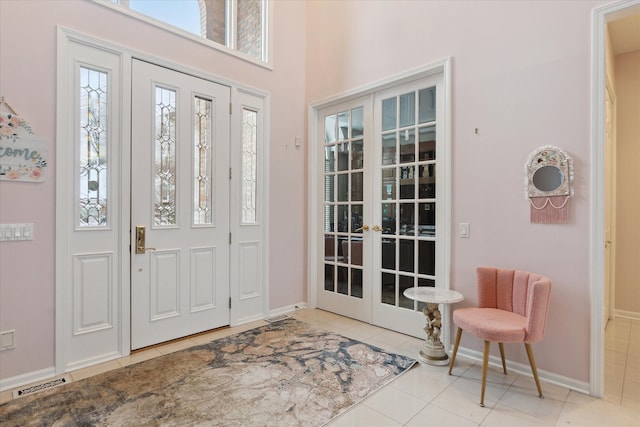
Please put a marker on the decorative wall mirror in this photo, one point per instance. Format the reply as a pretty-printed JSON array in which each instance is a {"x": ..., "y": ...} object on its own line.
[{"x": 548, "y": 185}]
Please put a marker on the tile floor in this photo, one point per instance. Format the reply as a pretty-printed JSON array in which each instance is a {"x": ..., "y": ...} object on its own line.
[{"x": 428, "y": 396}]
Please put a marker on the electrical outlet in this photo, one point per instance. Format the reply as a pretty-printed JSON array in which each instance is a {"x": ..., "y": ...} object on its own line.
[{"x": 7, "y": 339}]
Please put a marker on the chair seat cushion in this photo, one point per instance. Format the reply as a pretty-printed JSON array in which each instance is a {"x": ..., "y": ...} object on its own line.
[{"x": 491, "y": 324}]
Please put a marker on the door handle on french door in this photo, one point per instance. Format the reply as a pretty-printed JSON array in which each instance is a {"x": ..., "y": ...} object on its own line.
[
  {"x": 364, "y": 227},
  {"x": 377, "y": 228},
  {"x": 141, "y": 240}
]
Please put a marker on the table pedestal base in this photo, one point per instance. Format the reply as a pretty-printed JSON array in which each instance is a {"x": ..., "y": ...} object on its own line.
[{"x": 433, "y": 353}]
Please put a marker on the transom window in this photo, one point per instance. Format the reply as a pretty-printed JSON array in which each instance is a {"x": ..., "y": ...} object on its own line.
[{"x": 236, "y": 24}]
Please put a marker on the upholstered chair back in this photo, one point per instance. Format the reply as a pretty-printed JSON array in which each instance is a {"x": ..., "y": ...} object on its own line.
[{"x": 526, "y": 294}]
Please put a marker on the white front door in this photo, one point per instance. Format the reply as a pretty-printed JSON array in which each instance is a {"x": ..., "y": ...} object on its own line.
[{"x": 180, "y": 202}]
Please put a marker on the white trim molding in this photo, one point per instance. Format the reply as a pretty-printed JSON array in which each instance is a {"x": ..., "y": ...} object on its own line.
[{"x": 600, "y": 17}]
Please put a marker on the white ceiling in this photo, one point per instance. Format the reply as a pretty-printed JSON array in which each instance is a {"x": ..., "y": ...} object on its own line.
[{"x": 625, "y": 34}]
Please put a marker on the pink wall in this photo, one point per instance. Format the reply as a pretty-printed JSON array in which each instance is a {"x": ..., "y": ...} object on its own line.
[
  {"x": 28, "y": 82},
  {"x": 521, "y": 75}
]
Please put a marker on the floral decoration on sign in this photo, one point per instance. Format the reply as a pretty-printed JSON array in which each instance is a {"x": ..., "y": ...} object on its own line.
[
  {"x": 23, "y": 155},
  {"x": 12, "y": 126}
]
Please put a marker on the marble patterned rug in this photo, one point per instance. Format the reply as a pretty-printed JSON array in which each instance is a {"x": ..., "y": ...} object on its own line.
[{"x": 283, "y": 374}]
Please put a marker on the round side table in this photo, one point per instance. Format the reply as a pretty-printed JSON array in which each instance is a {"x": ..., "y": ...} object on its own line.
[{"x": 432, "y": 350}]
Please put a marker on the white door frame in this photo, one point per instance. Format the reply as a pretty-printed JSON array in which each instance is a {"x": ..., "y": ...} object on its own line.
[
  {"x": 441, "y": 66},
  {"x": 243, "y": 309},
  {"x": 600, "y": 17}
]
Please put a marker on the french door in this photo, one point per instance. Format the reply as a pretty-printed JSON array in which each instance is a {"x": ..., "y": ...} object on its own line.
[
  {"x": 383, "y": 186},
  {"x": 180, "y": 205}
]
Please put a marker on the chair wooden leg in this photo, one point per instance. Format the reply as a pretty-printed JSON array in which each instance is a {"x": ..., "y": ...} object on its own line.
[
  {"x": 485, "y": 365},
  {"x": 455, "y": 349},
  {"x": 532, "y": 362},
  {"x": 504, "y": 365}
]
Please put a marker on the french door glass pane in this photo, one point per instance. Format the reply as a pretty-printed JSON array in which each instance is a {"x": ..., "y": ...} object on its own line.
[
  {"x": 357, "y": 122},
  {"x": 427, "y": 146},
  {"x": 357, "y": 154},
  {"x": 427, "y": 105},
  {"x": 389, "y": 111},
  {"x": 407, "y": 109},
  {"x": 407, "y": 146},
  {"x": 405, "y": 282},
  {"x": 389, "y": 149}
]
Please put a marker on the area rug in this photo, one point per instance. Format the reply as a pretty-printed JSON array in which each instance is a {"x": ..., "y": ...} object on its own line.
[{"x": 283, "y": 374}]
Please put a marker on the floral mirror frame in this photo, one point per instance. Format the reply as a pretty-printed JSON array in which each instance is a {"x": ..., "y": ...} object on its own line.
[{"x": 548, "y": 184}]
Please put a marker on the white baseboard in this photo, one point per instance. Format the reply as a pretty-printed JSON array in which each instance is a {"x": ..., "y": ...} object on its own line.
[
  {"x": 287, "y": 309},
  {"x": 627, "y": 314},
  {"x": 28, "y": 378},
  {"x": 523, "y": 369}
]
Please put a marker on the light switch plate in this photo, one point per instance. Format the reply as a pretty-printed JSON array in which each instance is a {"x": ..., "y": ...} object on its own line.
[
  {"x": 464, "y": 230},
  {"x": 16, "y": 232}
]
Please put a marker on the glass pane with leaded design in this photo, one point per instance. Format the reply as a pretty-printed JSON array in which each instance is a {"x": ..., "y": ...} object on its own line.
[
  {"x": 249, "y": 166},
  {"x": 93, "y": 145},
  {"x": 202, "y": 162},
  {"x": 165, "y": 157}
]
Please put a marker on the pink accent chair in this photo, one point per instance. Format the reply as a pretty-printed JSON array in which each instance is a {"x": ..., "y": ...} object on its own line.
[{"x": 512, "y": 307}]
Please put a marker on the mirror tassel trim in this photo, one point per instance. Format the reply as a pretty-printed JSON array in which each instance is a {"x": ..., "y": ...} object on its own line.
[{"x": 552, "y": 210}]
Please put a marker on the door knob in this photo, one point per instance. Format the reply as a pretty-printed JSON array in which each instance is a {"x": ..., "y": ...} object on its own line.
[
  {"x": 141, "y": 240},
  {"x": 377, "y": 228},
  {"x": 364, "y": 227}
]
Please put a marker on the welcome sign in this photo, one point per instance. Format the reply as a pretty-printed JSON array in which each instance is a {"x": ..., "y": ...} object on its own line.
[{"x": 23, "y": 155}]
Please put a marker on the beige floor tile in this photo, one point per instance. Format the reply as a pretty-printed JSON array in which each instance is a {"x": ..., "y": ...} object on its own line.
[
  {"x": 94, "y": 370},
  {"x": 493, "y": 390},
  {"x": 361, "y": 332},
  {"x": 344, "y": 323},
  {"x": 582, "y": 410},
  {"x": 422, "y": 383},
  {"x": 504, "y": 416},
  {"x": 139, "y": 356},
  {"x": 363, "y": 416},
  {"x": 176, "y": 346},
  {"x": 434, "y": 416},
  {"x": 206, "y": 338},
  {"x": 6, "y": 396},
  {"x": 463, "y": 404},
  {"x": 387, "y": 339},
  {"x": 395, "y": 404},
  {"x": 523, "y": 396}
]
